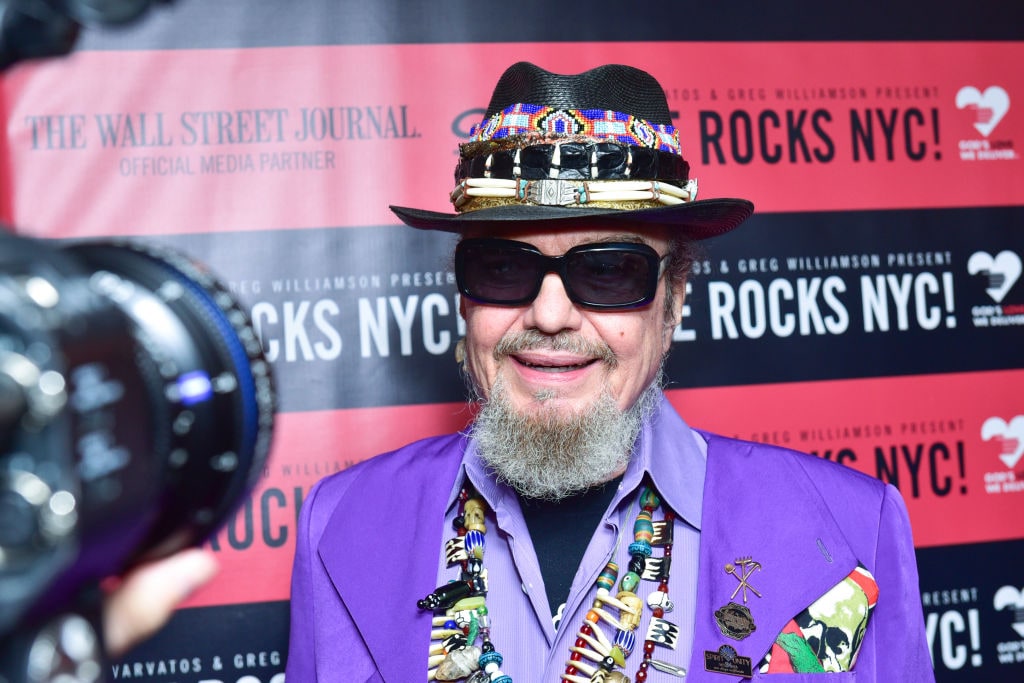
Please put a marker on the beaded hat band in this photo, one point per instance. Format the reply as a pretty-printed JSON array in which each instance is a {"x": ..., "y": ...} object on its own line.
[
  {"x": 595, "y": 149},
  {"x": 598, "y": 124}
]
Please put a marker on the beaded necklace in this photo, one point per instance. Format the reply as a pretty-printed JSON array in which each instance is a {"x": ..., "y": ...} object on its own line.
[
  {"x": 607, "y": 653},
  {"x": 465, "y": 619},
  {"x": 454, "y": 653}
]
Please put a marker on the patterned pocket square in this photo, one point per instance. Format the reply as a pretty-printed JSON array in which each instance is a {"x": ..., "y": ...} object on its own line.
[{"x": 826, "y": 636}]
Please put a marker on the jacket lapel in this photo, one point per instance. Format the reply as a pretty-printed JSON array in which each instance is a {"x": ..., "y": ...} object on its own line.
[
  {"x": 384, "y": 560},
  {"x": 762, "y": 505}
]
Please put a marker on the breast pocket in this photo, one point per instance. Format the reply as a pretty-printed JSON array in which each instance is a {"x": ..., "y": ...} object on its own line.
[{"x": 838, "y": 677}]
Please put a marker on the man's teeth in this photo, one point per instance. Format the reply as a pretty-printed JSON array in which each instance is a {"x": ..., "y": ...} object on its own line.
[{"x": 557, "y": 368}]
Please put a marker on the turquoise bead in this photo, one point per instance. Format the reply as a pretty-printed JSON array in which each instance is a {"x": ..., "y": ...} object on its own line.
[
  {"x": 649, "y": 499},
  {"x": 640, "y": 548},
  {"x": 488, "y": 657}
]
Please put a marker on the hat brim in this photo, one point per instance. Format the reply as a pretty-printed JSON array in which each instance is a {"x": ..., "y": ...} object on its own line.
[{"x": 697, "y": 220}]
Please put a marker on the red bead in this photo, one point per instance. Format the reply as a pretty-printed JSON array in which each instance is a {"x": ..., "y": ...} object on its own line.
[
  {"x": 668, "y": 551},
  {"x": 648, "y": 647},
  {"x": 669, "y": 516},
  {"x": 659, "y": 612},
  {"x": 587, "y": 629},
  {"x": 571, "y": 670},
  {"x": 580, "y": 643},
  {"x": 663, "y": 586},
  {"x": 641, "y": 676}
]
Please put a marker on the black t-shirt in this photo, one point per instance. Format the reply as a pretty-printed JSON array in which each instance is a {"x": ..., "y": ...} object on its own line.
[{"x": 560, "y": 531}]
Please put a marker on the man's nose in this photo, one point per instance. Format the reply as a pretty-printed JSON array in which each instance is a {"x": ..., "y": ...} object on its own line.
[{"x": 552, "y": 311}]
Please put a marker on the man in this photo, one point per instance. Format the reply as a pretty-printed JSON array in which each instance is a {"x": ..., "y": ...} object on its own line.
[{"x": 581, "y": 530}]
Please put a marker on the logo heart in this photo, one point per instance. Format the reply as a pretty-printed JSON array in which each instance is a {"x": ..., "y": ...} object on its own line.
[
  {"x": 1002, "y": 271},
  {"x": 1009, "y": 436},
  {"x": 1010, "y": 597},
  {"x": 990, "y": 105}
]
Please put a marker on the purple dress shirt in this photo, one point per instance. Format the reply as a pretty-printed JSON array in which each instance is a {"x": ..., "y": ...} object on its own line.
[{"x": 370, "y": 545}]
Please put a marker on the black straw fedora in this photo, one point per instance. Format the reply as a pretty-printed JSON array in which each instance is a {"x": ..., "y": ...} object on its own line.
[{"x": 595, "y": 149}]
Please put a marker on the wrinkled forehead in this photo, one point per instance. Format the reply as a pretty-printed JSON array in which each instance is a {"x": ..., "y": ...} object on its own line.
[{"x": 556, "y": 242}]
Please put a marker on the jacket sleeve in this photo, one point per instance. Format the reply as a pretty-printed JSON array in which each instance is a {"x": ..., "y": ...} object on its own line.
[
  {"x": 324, "y": 644},
  {"x": 896, "y": 645},
  {"x": 301, "y": 665}
]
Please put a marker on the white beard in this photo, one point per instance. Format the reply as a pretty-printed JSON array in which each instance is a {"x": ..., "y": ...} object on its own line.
[{"x": 549, "y": 453}]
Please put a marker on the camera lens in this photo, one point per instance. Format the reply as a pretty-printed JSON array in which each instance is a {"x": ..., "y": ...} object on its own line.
[
  {"x": 136, "y": 412},
  {"x": 212, "y": 393}
]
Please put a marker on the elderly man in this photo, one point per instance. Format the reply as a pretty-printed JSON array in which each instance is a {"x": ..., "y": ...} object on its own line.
[{"x": 581, "y": 530}]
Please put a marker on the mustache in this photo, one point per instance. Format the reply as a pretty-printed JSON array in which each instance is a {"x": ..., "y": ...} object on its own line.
[{"x": 533, "y": 340}]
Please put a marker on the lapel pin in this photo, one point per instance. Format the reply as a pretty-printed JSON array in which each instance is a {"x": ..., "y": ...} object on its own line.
[
  {"x": 747, "y": 566},
  {"x": 735, "y": 621}
]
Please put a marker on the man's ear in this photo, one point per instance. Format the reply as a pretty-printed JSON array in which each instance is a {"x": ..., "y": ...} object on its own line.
[
  {"x": 675, "y": 316},
  {"x": 680, "y": 300}
]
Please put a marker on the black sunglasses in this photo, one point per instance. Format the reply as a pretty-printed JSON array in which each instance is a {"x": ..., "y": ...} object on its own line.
[{"x": 610, "y": 275}]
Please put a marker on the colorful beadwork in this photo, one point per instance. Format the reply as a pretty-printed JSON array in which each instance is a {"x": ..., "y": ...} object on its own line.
[
  {"x": 591, "y": 642},
  {"x": 598, "y": 124},
  {"x": 606, "y": 579},
  {"x": 463, "y": 619},
  {"x": 454, "y": 654}
]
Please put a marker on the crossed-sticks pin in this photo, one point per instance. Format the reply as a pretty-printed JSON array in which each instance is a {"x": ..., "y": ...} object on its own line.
[{"x": 747, "y": 566}]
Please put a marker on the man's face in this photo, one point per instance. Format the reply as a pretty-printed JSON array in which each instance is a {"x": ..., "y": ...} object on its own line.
[{"x": 569, "y": 380}]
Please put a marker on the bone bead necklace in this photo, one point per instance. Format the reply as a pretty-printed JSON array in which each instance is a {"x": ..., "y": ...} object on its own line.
[{"x": 461, "y": 617}]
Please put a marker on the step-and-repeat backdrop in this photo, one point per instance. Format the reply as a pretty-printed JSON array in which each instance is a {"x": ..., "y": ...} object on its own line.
[{"x": 871, "y": 312}]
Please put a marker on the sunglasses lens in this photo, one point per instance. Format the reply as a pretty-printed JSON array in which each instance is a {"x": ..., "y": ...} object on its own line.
[
  {"x": 497, "y": 273},
  {"x": 612, "y": 277},
  {"x": 600, "y": 275}
]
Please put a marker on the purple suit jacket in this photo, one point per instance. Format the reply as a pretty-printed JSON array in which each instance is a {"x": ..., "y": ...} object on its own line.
[{"x": 369, "y": 539}]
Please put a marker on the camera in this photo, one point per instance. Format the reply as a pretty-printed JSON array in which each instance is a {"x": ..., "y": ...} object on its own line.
[{"x": 136, "y": 413}]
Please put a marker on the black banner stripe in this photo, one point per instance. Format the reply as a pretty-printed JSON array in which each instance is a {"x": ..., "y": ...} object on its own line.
[
  {"x": 365, "y": 317},
  {"x": 973, "y": 602},
  {"x": 203, "y": 644},
  {"x": 192, "y": 24}
]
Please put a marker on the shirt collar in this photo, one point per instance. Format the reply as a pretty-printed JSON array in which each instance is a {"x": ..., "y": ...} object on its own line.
[
  {"x": 474, "y": 470},
  {"x": 675, "y": 458}
]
